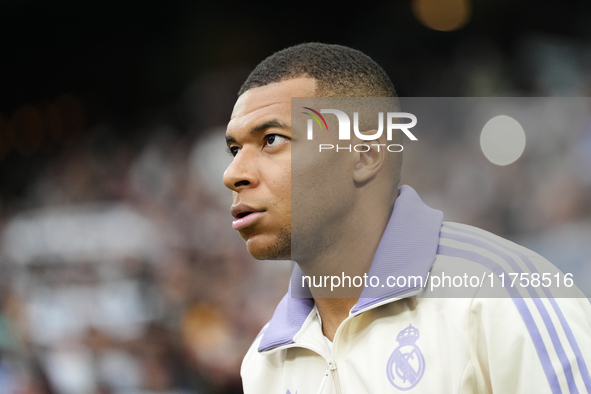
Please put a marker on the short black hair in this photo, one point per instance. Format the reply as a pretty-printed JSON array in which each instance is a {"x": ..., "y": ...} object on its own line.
[{"x": 339, "y": 71}]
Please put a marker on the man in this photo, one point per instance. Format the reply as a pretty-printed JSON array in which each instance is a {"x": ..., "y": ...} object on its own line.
[{"x": 334, "y": 212}]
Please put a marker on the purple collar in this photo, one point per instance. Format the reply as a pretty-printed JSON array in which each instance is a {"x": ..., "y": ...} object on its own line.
[{"x": 407, "y": 248}]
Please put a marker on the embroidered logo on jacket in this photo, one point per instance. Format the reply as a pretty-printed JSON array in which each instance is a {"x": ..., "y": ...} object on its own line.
[{"x": 406, "y": 364}]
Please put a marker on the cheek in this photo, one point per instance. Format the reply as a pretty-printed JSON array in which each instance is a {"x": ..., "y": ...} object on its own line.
[
  {"x": 321, "y": 190},
  {"x": 278, "y": 181},
  {"x": 324, "y": 174}
]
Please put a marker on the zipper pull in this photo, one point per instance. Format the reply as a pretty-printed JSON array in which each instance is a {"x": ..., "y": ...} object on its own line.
[{"x": 331, "y": 364}]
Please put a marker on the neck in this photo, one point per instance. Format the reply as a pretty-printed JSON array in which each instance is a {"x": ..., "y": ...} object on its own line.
[
  {"x": 333, "y": 311},
  {"x": 350, "y": 254}
]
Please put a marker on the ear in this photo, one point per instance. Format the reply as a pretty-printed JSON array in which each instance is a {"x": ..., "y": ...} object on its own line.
[{"x": 370, "y": 158}]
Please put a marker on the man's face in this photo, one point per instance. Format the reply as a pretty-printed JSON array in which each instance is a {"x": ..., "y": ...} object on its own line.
[{"x": 259, "y": 138}]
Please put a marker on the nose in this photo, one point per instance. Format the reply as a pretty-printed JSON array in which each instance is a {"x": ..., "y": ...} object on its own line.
[{"x": 241, "y": 173}]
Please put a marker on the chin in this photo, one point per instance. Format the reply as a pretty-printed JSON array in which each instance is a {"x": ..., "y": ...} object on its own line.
[{"x": 267, "y": 247}]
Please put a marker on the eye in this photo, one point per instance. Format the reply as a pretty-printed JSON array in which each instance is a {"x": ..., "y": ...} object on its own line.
[
  {"x": 233, "y": 150},
  {"x": 274, "y": 139}
]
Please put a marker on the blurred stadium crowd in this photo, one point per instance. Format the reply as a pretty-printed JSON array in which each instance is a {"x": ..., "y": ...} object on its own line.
[{"x": 120, "y": 270}]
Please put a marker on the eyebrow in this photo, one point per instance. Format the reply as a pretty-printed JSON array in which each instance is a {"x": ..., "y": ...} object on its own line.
[{"x": 262, "y": 127}]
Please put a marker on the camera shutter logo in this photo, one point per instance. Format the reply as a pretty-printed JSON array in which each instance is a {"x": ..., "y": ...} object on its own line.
[{"x": 310, "y": 132}]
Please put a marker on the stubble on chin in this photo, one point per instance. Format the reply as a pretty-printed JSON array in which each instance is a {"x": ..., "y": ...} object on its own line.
[{"x": 280, "y": 249}]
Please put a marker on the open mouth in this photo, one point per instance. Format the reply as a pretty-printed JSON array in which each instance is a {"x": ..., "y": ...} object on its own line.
[
  {"x": 245, "y": 219},
  {"x": 243, "y": 214}
]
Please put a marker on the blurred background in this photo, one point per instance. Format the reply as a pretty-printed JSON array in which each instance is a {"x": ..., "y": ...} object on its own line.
[{"x": 119, "y": 270}]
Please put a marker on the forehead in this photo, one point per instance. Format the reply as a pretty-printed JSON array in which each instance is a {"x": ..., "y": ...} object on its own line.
[{"x": 267, "y": 102}]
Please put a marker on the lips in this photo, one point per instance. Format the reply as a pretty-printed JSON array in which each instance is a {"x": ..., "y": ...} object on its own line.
[{"x": 244, "y": 216}]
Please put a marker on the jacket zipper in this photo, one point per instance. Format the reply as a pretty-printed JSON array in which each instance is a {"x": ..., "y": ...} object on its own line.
[
  {"x": 332, "y": 365},
  {"x": 332, "y": 369}
]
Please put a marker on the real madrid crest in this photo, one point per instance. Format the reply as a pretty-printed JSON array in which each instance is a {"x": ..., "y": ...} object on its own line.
[{"x": 406, "y": 364}]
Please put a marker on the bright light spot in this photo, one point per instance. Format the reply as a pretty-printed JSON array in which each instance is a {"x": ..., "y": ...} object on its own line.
[
  {"x": 502, "y": 140},
  {"x": 443, "y": 15}
]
